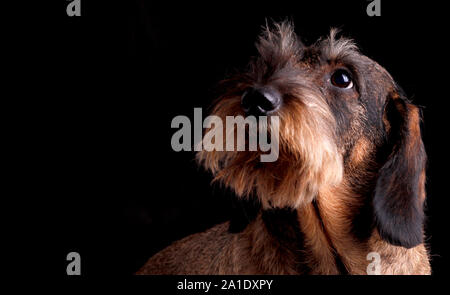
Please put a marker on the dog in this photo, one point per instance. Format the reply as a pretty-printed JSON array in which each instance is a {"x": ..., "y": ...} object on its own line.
[{"x": 349, "y": 182}]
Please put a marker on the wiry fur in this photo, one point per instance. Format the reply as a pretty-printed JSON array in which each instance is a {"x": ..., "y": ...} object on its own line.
[
  {"x": 308, "y": 160},
  {"x": 349, "y": 180}
]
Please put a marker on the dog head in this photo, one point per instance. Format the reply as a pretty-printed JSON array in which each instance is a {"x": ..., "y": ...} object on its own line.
[{"x": 341, "y": 116}]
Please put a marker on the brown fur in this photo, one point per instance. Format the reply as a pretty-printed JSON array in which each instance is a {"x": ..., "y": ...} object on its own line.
[
  {"x": 351, "y": 169},
  {"x": 254, "y": 251}
]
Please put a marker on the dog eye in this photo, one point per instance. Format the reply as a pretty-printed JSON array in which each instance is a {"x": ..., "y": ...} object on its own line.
[{"x": 342, "y": 79}]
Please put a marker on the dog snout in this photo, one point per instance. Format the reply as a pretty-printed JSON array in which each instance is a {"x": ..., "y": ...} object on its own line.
[{"x": 260, "y": 101}]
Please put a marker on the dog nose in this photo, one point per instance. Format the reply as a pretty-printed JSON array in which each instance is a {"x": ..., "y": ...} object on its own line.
[{"x": 260, "y": 101}]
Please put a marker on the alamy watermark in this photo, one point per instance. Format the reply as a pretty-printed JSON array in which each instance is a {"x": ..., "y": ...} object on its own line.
[
  {"x": 74, "y": 8},
  {"x": 235, "y": 128},
  {"x": 374, "y": 8},
  {"x": 74, "y": 266},
  {"x": 374, "y": 268}
]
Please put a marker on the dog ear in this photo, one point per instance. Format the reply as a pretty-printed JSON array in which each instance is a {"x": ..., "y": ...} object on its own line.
[{"x": 400, "y": 188}]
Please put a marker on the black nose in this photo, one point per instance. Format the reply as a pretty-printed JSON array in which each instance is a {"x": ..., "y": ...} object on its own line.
[{"x": 260, "y": 101}]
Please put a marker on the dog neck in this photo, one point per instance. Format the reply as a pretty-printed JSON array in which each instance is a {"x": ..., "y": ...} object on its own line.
[
  {"x": 328, "y": 224},
  {"x": 326, "y": 236}
]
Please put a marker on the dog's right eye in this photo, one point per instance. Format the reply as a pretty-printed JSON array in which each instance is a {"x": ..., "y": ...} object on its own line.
[{"x": 342, "y": 79}]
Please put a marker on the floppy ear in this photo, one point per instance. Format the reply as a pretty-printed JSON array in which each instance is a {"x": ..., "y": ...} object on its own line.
[{"x": 400, "y": 188}]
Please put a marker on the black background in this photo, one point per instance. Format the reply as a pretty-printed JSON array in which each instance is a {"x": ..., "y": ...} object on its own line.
[{"x": 113, "y": 79}]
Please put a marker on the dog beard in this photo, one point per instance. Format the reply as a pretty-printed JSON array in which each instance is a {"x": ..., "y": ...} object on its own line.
[{"x": 308, "y": 159}]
